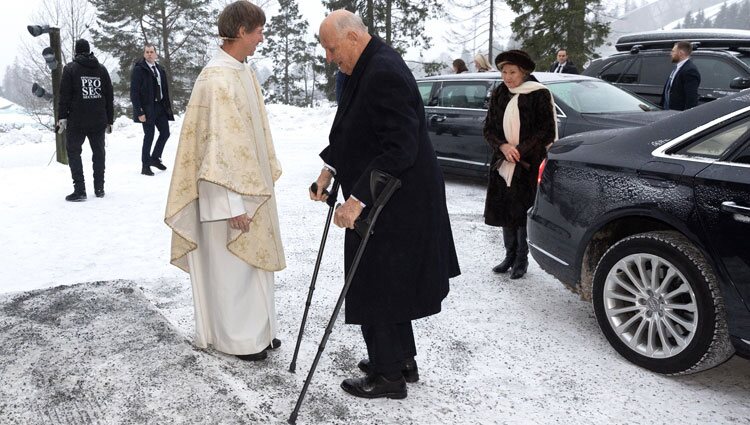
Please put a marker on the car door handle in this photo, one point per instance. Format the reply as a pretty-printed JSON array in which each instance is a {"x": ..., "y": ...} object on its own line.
[
  {"x": 438, "y": 118},
  {"x": 731, "y": 207}
]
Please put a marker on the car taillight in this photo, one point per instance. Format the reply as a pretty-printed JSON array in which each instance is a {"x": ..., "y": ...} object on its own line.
[{"x": 541, "y": 170}]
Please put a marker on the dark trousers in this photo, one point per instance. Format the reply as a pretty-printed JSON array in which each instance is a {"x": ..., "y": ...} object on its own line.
[
  {"x": 388, "y": 346},
  {"x": 515, "y": 242},
  {"x": 162, "y": 124},
  {"x": 74, "y": 143}
]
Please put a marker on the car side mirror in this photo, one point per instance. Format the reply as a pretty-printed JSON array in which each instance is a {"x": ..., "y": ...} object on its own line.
[{"x": 740, "y": 83}]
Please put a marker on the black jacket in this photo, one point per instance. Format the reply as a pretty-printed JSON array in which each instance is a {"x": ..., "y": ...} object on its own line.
[
  {"x": 568, "y": 68},
  {"x": 380, "y": 124},
  {"x": 507, "y": 206},
  {"x": 684, "y": 91},
  {"x": 86, "y": 98},
  {"x": 143, "y": 87}
]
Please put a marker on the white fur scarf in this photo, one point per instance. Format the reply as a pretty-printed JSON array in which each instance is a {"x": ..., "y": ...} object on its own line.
[{"x": 512, "y": 124}]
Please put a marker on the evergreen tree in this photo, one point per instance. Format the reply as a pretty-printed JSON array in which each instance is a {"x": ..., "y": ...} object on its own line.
[
  {"x": 544, "y": 26},
  {"x": 688, "y": 21},
  {"x": 181, "y": 30},
  {"x": 285, "y": 46},
  {"x": 743, "y": 14}
]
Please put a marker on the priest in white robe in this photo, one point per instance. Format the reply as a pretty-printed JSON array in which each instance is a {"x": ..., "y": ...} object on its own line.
[{"x": 221, "y": 205}]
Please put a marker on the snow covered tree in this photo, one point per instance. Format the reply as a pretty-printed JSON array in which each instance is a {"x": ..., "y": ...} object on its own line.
[
  {"x": 181, "y": 30},
  {"x": 544, "y": 26},
  {"x": 285, "y": 45}
]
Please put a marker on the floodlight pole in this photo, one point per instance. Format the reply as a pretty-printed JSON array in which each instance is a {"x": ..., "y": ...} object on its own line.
[{"x": 54, "y": 42}]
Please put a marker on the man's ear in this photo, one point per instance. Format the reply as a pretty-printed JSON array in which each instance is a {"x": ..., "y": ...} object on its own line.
[{"x": 352, "y": 36}]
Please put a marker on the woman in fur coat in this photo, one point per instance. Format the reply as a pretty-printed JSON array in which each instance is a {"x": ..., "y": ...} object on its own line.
[{"x": 520, "y": 126}]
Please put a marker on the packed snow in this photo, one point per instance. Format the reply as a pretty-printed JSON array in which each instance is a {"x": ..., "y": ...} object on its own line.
[{"x": 114, "y": 344}]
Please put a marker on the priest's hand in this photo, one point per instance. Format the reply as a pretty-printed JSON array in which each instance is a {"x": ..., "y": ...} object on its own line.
[
  {"x": 348, "y": 213},
  {"x": 510, "y": 152},
  {"x": 324, "y": 180},
  {"x": 241, "y": 222}
]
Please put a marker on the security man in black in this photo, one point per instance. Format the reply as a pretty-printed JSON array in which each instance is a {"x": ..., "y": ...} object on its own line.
[{"x": 85, "y": 111}]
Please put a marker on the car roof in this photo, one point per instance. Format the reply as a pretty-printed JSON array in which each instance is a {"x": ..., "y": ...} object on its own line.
[
  {"x": 543, "y": 77},
  {"x": 705, "y": 38}
]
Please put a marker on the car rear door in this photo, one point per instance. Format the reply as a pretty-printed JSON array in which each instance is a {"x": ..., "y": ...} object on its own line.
[
  {"x": 456, "y": 124},
  {"x": 717, "y": 73},
  {"x": 722, "y": 192}
]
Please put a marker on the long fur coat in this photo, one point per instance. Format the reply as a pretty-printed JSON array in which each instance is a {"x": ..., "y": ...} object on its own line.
[{"x": 507, "y": 206}]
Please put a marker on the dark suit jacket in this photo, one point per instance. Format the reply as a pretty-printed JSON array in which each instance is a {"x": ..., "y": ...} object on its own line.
[
  {"x": 380, "y": 124},
  {"x": 143, "y": 88},
  {"x": 684, "y": 91},
  {"x": 569, "y": 68}
]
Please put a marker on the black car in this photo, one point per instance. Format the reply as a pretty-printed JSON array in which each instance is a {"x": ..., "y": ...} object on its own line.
[
  {"x": 456, "y": 106},
  {"x": 721, "y": 56},
  {"x": 652, "y": 224}
]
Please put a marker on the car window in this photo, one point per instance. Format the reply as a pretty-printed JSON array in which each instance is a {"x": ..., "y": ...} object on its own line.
[
  {"x": 745, "y": 58},
  {"x": 592, "y": 97},
  {"x": 425, "y": 88},
  {"x": 464, "y": 94},
  {"x": 716, "y": 73},
  {"x": 716, "y": 144},
  {"x": 612, "y": 72},
  {"x": 655, "y": 69}
]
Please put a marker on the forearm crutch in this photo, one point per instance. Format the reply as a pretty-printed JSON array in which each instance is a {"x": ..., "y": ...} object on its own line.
[
  {"x": 331, "y": 201},
  {"x": 364, "y": 228}
]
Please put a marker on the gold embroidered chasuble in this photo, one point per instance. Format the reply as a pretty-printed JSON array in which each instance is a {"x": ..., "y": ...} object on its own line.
[{"x": 226, "y": 140}]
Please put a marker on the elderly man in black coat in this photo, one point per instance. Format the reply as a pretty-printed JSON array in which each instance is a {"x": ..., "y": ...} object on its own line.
[{"x": 403, "y": 275}]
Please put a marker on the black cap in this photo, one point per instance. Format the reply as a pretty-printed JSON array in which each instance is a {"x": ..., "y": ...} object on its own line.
[
  {"x": 515, "y": 57},
  {"x": 82, "y": 46}
]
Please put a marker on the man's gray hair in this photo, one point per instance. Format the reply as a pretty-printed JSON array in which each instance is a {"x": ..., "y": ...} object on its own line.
[{"x": 349, "y": 21}]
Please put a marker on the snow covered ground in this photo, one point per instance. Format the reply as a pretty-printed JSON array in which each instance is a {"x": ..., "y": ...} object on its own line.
[{"x": 118, "y": 350}]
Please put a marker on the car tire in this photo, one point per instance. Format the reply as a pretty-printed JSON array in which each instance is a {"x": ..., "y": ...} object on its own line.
[{"x": 657, "y": 301}]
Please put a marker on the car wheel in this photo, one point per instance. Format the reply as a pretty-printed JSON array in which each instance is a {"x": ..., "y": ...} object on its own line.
[{"x": 657, "y": 301}]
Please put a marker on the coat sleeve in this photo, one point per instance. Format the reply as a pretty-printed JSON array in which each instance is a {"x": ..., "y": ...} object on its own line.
[
  {"x": 493, "y": 123},
  {"x": 109, "y": 97},
  {"x": 691, "y": 80},
  {"x": 66, "y": 94},
  {"x": 136, "y": 81},
  {"x": 394, "y": 107},
  {"x": 542, "y": 132}
]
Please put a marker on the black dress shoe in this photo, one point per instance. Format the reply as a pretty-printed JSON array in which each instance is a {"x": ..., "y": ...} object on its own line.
[
  {"x": 253, "y": 357},
  {"x": 275, "y": 343},
  {"x": 410, "y": 370},
  {"x": 76, "y": 197},
  {"x": 99, "y": 193},
  {"x": 146, "y": 171},
  {"x": 375, "y": 386},
  {"x": 157, "y": 163}
]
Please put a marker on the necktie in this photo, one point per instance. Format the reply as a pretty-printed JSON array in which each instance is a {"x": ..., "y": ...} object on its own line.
[
  {"x": 669, "y": 87},
  {"x": 559, "y": 68},
  {"x": 158, "y": 82}
]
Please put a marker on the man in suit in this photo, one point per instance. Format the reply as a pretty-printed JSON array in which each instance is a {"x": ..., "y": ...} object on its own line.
[
  {"x": 681, "y": 89},
  {"x": 152, "y": 107},
  {"x": 563, "y": 64},
  {"x": 404, "y": 272}
]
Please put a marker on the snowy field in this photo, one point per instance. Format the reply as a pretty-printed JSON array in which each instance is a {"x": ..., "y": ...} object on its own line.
[{"x": 118, "y": 348}]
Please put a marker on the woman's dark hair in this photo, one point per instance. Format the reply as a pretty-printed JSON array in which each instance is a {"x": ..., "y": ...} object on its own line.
[
  {"x": 237, "y": 15},
  {"x": 460, "y": 66}
]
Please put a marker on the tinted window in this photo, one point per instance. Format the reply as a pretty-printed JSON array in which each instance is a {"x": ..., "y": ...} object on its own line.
[
  {"x": 425, "y": 88},
  {"x": 715, "y": 73},
  {"x": 596, "y": 97},
  {"x": 464, "y": 94},
  {"x": 612, "y": 72},
  {"x": 745, "y": 59},
  {"x": 716, "y": 144},
  {"x": 656, "y": 69}
]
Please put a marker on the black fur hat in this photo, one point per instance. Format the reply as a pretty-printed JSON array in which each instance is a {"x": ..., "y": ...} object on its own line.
[{"x": 515, "y": 57}]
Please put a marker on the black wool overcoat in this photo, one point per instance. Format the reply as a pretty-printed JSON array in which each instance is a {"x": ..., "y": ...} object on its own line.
[
  {"x": 506, "y": 206},
  {"x": 143, "y": 88},
  {"x": 380, "y": 124}
]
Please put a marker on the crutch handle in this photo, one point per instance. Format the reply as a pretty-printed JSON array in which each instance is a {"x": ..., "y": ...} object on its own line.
[{"x": 314, "y": 189}]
